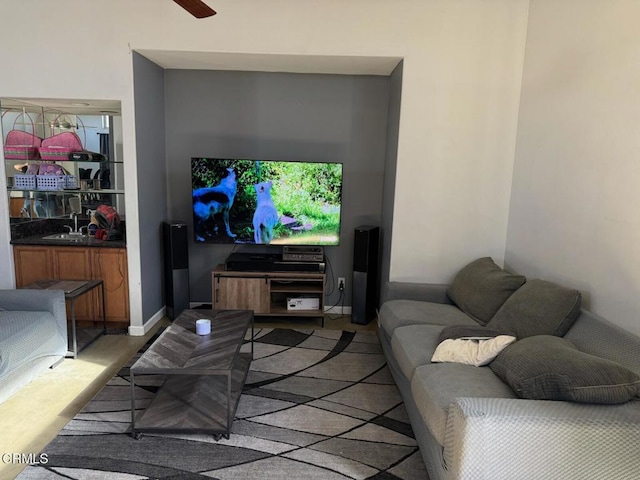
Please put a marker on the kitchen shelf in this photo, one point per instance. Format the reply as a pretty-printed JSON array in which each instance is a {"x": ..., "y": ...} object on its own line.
[
  {"x": 69, "y": 191},
  {"x": 61, "y": 162},
  {"x": 98, "y": 132}
]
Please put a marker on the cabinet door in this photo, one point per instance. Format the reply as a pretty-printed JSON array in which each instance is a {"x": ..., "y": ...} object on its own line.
[
  {"x": 110, "y": 265},
  {"x": 233, "y": 293},
  {"x": 32, "y": 263},
  {"x": 73, "y": 263}
]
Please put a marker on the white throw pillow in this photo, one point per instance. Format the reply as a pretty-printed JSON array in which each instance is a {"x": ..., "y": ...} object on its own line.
[{"x": 471, "y": 351}]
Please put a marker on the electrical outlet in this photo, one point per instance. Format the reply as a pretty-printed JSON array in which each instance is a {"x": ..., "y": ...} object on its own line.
[{"x": 341, "y": 283}]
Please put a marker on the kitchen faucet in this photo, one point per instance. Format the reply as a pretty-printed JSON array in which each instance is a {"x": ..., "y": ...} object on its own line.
[{"x": 74, "y": 230}]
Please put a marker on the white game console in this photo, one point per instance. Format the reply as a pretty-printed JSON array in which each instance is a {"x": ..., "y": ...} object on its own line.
[{"x": 303, "y": 302}]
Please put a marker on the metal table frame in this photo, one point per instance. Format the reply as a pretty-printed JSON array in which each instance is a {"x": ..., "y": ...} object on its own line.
[{"x": 72, "y": 296}]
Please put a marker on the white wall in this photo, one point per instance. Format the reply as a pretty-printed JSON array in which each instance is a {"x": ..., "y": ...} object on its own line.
[
  {"x": 575, "y": 206},
  {"x": 458, "y": 121},
  {"x": 461, "y": 80}
]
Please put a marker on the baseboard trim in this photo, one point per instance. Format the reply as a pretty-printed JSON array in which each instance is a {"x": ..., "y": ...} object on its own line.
[
  {"x": 338, "y": 310},
  {"x": 136, "y": 331}
]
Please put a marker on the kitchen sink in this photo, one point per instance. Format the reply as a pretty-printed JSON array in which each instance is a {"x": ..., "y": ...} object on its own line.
[{"x": 65, "y": 236}]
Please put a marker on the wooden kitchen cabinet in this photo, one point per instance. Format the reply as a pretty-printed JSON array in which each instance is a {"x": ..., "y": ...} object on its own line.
[
  {"x": 40, "y": 262},
  {"x": 110, "y": 265},
  {"x": 73, "y": 263},
  {"x": 32, "y": 263}
]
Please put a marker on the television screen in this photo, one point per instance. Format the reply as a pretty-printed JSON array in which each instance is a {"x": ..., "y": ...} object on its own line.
[{"x": 266, "y": 202}]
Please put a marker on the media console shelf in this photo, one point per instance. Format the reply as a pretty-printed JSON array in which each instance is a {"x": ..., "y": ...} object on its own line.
[{"x": 266, "y": 293}]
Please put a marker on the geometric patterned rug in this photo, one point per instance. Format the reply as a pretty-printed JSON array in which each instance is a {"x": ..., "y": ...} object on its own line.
[{"x": 317, "y": 405}]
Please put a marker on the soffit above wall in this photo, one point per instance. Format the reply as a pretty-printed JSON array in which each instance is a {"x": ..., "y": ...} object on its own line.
[{"x": 324, "y": 64}]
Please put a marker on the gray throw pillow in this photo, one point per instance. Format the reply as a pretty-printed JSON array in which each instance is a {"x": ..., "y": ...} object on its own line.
[
  {"x": 453, "y": 332},
  {"x": 480, "y": 289},
  {"x": 538, "y": 308},
  {"x": 546, "y": 367}
]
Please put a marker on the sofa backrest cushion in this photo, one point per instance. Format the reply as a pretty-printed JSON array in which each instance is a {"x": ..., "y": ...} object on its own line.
[
  {"x": 546, "y": 367},
  {"x": 538, "y": 308},
  {"x": 595, "y": 335},
  {"x": 481, "y": 287}
]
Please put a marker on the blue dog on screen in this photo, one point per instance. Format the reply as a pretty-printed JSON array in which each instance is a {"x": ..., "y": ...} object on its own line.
[
  {"x": 266, "y": 215},
  {"x": 210, "y": 201}
]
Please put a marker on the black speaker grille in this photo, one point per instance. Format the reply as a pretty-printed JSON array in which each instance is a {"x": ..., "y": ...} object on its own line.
[
  {"x": 177, "y": 246},
  {"x": 365, "y": 273},
  {"x": 365, "y": 248}
]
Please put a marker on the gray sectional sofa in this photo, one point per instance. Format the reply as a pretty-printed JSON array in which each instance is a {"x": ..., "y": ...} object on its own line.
[
  {"x": 33, "y": 336},
  {"x": 560, "y": 402}
]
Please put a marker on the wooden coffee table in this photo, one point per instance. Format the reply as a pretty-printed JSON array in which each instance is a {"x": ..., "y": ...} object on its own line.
[{"x": 203, "y": 374}]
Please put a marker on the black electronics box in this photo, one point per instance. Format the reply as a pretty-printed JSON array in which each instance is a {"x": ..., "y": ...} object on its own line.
[
  {"x": 85, "y": 156},
  {"x": 269, "y": 262}
]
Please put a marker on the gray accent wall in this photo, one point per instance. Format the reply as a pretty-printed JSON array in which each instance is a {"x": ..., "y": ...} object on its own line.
[
  {"x": 148, "y": 84},
  {"x": 279, "y": 116},
  {"x": 389, "y": 186}
]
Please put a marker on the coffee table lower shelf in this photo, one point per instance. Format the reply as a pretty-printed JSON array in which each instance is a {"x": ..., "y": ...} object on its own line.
[{"x": 192, "y": 402}]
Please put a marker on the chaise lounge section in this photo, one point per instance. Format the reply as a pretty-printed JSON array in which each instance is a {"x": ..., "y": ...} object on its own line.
[
  {"x": 558, "y": 401},
  {"x": 33, "y": 336}
]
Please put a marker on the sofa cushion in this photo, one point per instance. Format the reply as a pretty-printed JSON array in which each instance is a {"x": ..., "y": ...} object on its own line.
[
  {"x": 435, "y": 386},
  {"x": 597, "y": 336},
  {"x": 467, "y": 331},
  {"x": 481, "y": 287},
  {"x": 398, "y": 313},
  {"x": 546, "y": 367},
  {"x": 414, "y": 345},
  {"x": 538, "y": 308}
]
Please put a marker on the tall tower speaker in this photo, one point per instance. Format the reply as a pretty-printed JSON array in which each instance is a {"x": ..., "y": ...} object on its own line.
[
  {"x": 365, "y": 274},
  {"x": 176, "y": 267}
]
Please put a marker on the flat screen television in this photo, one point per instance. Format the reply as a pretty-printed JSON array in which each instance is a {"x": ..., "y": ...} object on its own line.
[{"x": 266, "y": 202}]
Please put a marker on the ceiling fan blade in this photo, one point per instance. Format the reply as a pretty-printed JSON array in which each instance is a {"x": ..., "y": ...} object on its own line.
[{"x": 197, "y": 8}]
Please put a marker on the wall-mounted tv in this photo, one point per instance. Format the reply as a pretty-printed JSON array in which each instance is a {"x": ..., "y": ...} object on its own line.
[{"x": 266, "y": 202}]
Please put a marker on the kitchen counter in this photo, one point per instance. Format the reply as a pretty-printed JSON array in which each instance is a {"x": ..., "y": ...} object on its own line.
[
  {"x": 81, "y": 242},
  {"x": 31, "y": 232}
]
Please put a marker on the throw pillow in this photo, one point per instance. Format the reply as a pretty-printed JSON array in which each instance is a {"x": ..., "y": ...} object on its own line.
[
  {"x": 471, "y": 351},
  {"x": 481, "y": 287},
  {"x": 538, "y": 308},
  {"x": 546, "y": 367},
  {"x": 467, "y": 331}
]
